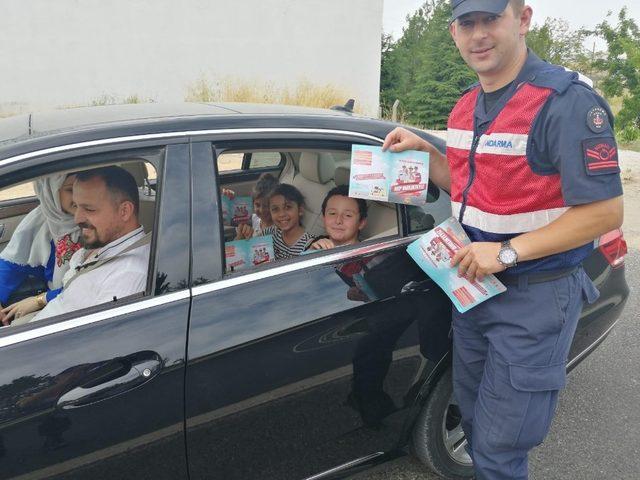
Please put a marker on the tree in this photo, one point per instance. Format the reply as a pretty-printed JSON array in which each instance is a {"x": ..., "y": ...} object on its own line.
[
  {"x": 556, "y": 43},
  {"x": 443, "y": 74},
  {"x": 423, "y": 69},
  {"x": 622, "y": 65}
]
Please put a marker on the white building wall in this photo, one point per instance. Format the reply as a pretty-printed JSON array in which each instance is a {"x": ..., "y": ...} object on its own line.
[{"x": 70, "y": 52}]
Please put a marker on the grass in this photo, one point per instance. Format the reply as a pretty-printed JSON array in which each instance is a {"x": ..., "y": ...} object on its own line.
[
  {"x": 634, "y": 146},
  {"x": 304, "y": 93},
  {"x": 105, "y": 99}
]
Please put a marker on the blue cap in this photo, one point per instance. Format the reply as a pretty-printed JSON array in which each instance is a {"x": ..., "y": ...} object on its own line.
[{"x": 462, "y": 7}]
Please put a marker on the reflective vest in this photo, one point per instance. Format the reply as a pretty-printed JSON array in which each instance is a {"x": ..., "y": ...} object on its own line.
[
  {"x": 493, "y": 188},
  {"x": 494, "y": 192}
]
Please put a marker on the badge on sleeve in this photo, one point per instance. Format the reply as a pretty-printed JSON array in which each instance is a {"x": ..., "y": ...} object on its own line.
[
  {"x": 597, "y": 119},
  {"x": 600, "y": 156}
]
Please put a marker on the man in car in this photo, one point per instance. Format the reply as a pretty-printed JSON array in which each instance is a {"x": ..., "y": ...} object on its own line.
[
  {"x": 115, "y": 258},
  {"x": 532, "y": 168}
]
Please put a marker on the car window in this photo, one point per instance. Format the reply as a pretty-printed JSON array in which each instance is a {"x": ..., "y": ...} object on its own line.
[
  {"x": 228, "y": 162},
  {"x": 311, "y": 174},
  {"x": 259, "y": 160},
  {"x": 21, "y": 191},
  {"x": 436, "y": 211},
  {"x": 66, "y": 246}
]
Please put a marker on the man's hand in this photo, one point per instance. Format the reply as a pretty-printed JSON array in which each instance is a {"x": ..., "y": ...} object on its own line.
[
  {"x": 18, "y": 309},
  {"x": 401, "y": 139},
  {"x": 323, "y": 244},
  {"x": 477, "y": 260}
]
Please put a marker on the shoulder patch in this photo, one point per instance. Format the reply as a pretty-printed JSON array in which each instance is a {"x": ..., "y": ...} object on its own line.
[
  {"x": 600, "y": 156},
  {"x": 597, "y": 119}
]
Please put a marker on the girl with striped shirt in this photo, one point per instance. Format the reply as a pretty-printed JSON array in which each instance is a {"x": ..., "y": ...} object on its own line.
[{"x": 286, "y": 205}]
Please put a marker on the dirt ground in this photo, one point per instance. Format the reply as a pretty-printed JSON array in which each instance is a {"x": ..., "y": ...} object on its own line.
[{"x": 630, "y": 165}]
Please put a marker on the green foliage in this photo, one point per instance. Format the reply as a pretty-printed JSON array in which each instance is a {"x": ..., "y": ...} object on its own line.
[
  {"x": 622, "y": 65},
  {"x": 423, "y": 69},
  {"x": 556, "y": 43}
]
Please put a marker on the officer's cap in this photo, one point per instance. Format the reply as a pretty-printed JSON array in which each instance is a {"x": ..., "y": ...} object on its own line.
[{"x": 462, "y": 7}]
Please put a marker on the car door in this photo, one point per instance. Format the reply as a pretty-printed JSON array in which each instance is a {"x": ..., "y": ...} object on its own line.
[
  {"x": 290, "y": 373},
  {"x": 99, "y": 393}
]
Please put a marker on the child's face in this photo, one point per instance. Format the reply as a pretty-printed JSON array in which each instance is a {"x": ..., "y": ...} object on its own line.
[
  {"x": 261, "y": 207},
  {"x": 342, "y": 220},
  {"x": 66, "y": 195},
  {"x": 285, "y": 214}
]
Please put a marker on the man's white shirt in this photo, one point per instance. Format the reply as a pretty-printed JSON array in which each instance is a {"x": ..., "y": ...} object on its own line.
[{"x": 120, "y": 277}]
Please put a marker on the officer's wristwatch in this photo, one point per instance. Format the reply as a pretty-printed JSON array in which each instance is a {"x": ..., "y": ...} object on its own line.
[{"x": 507, "y": 255}]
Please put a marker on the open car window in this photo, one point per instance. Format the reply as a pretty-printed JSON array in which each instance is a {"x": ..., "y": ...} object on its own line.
[
  {"x": 51, "y": 267},
  {"x": 313, "y": 172}
]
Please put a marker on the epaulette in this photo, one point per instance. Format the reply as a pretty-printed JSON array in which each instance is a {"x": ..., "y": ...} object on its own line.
[{"x": 554, "y": 77}]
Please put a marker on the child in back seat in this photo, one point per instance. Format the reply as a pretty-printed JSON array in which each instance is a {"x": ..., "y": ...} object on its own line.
[
  {"x": 261, "y": 217},
  {"x": 344, "y": 217},
  {"x": 286, "y": 205}
]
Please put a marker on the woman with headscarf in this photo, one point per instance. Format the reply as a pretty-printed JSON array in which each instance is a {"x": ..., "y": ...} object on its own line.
[{"x": 41, "y": 246}]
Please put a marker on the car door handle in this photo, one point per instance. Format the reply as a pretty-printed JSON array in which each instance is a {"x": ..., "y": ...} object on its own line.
[{"x": 91, "y": 392}]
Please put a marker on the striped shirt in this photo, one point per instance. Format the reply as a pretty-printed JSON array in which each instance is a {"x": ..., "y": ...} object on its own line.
[{"x": 280, "y": 247}]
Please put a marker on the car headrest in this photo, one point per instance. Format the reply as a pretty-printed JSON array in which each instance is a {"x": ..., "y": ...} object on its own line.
[
  {"x": 318, "y": 168},
  {"x": 138, "y": 170},
  {"x": 342, "y": 176}
]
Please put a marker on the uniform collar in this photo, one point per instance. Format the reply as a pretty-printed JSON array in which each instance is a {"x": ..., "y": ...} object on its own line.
[{"x": 528, "y": 73}]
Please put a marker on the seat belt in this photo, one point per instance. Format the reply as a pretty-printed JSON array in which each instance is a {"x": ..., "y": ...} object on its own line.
[{"x": 146, "y": 238}]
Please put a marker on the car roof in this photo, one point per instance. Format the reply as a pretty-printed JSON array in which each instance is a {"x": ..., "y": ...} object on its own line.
[
  {"x": 19, "y": 127},
  {"x": 39, "y": 131}
]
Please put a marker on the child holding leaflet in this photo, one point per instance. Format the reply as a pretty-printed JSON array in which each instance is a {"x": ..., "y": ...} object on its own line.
[{"x": 286, "y": 205}]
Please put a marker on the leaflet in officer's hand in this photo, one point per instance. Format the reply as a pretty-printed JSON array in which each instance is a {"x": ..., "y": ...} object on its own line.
[
  {"x": 243, "y": 254},
  {"x": 389, "y": 177},
  {"x": 433, "y": 252}
]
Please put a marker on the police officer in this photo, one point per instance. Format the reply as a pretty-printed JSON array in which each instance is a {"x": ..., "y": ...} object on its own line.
[{"x": 532, "y": 167}]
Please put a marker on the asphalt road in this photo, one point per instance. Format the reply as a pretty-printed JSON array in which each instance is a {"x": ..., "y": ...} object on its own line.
[{"x": 596, "y": 432}]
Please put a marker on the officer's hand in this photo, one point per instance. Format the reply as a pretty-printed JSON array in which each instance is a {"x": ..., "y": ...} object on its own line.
[
  {"x": 401, "y": 139},
  {"x": 477, "y": 260}
]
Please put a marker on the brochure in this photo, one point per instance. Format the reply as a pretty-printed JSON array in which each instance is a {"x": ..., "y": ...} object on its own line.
[
  {"x": 244, "y": 254},
  {"x": 389, "y": 177},
  {"x": 433, "y": 251},
  {"x": 237, "y": 210}
]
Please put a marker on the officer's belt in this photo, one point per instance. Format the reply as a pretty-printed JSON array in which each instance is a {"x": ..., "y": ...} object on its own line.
[{"x": 535, "y": 277}]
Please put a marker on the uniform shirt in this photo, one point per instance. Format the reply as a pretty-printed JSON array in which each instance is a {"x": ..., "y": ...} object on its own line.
[
  {"x": 123, "y": 276},
  {"x": 572, "y": 136}
]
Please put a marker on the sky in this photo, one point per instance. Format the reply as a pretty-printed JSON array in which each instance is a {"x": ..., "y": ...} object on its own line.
[{"x": 588, "y": 14}]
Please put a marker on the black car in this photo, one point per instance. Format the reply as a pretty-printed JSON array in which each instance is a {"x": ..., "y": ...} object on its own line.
[{"x": 282, "y": 371}]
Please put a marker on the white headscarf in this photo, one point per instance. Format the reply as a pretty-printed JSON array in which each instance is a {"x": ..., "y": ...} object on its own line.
[{"x": 31, "y": 241}]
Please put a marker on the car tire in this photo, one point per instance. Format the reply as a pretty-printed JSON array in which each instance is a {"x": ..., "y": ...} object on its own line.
[{"x": 438, "y": 440}]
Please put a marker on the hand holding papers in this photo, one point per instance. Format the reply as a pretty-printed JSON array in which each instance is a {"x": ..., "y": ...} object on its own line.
[
  {"x": 389, "y": 177},
  {"x": 433, "y": 251}
]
